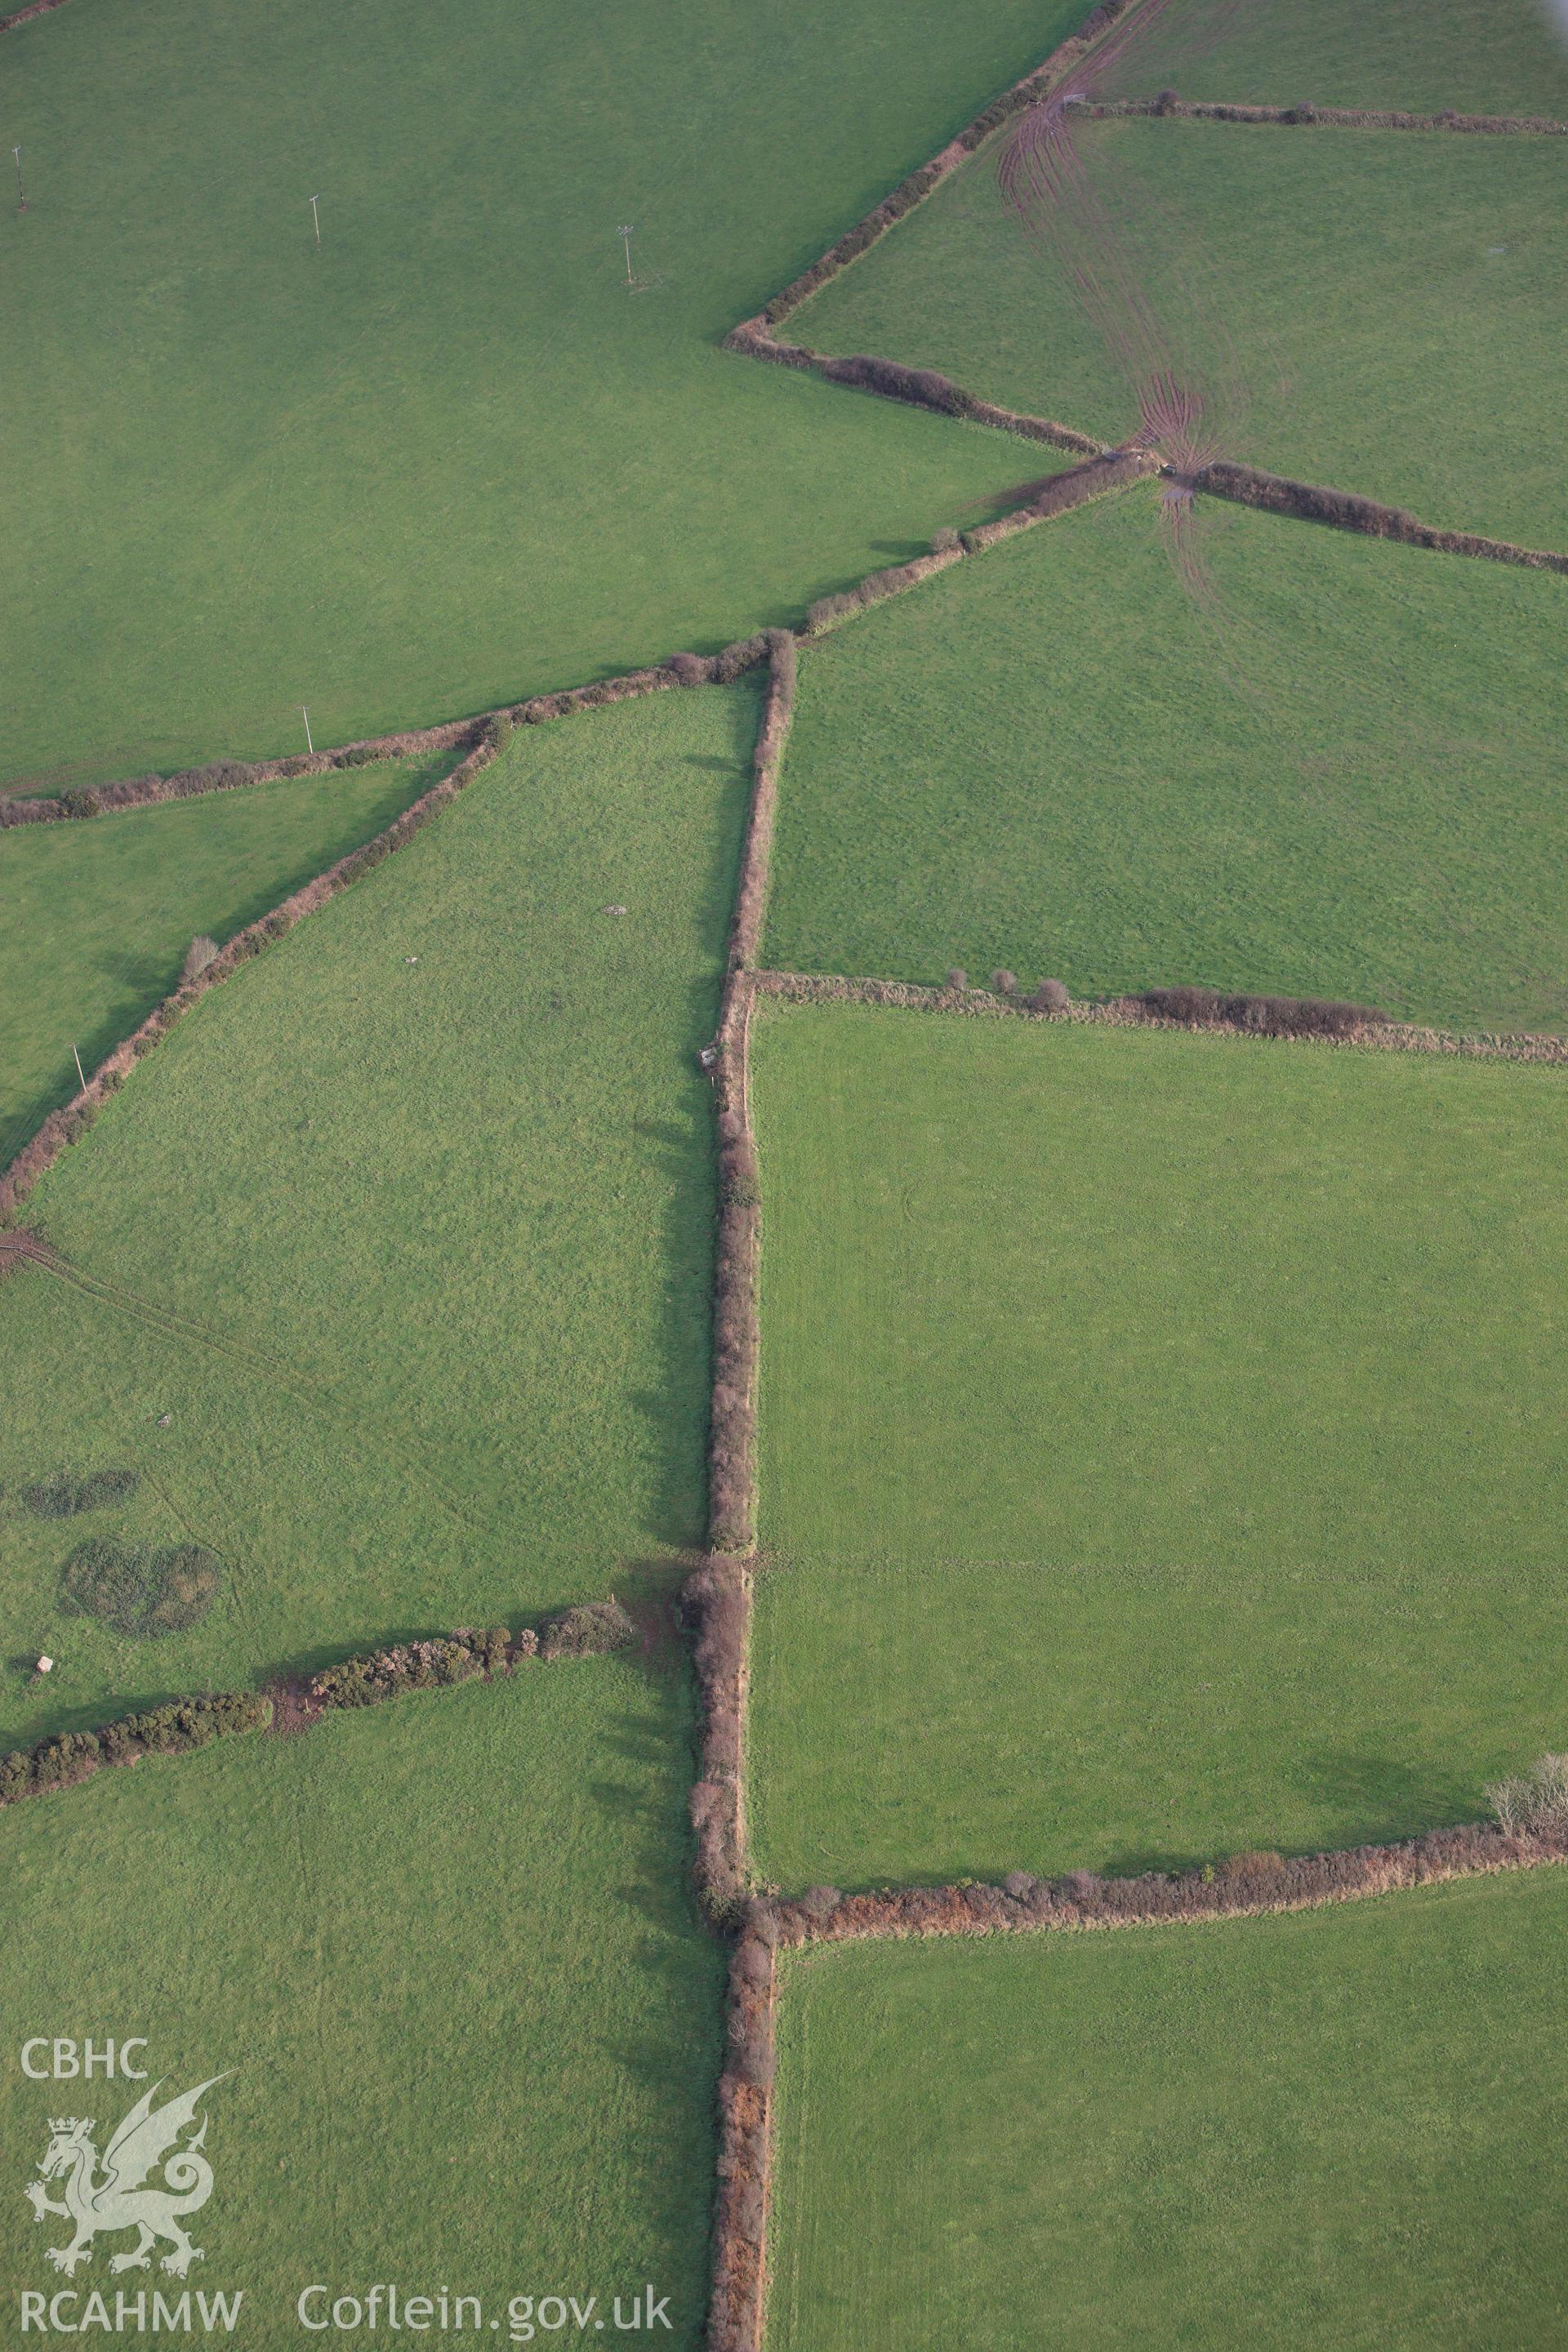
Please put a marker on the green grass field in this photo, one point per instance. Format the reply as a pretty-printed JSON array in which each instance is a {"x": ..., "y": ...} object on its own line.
[
  {"x": 450, "y": 457},
  {"x": 95, "y": 918},
  {"x": 1412, "y": 55},
  {"x": 1342, "y": 2127},
  {"x": 1158, "y": 1443},
  {"x": 446, "y": 1950},
  {"x": 416, "y": 1254},
  {"x": 1381, "y": 298},
  {"x": 1343, "y": 775}
]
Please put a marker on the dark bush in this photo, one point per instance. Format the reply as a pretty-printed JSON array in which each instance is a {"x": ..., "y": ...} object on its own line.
[
  {"x": 1266, "y": 1016},
  {"x": 1304, "y": 112},
  {"x": 1083, "y": 1886},
  {"x": 67, "y": 1493},
  {"x": 82, "y": 802},
  {"x": 735, "y": 659},
  {"x": 1167, "y": 102},
  {"x": 945, "y": 541},
  {"x": 387, "y": 1674},
  {"x": 358, "y": 755},
  {"x": 141, "y": 1589},
  {"x": 1051, "y": 996},
  {"x": 922, "y": 387},
  {"x": 739, "y": 1176},
  {"x": 589, "y": 1630},
  {"x": 498, "y": 732},
  {"x": 186, "y": 1723}
]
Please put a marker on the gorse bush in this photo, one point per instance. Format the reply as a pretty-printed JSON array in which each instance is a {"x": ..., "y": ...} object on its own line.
[
  {"x": 589, "y": 1630},
  {"x": 68, "y": 1492},
  {"x": 182, "y": 1724},
  {"x": 144, "y": 1591},
  {"x": 1533, "y": 1803}
]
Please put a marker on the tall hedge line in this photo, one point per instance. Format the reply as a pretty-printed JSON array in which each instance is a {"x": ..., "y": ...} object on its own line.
[
  {"x": 1236, "y": 1887},
  {"x": 1312, "y": 502}
]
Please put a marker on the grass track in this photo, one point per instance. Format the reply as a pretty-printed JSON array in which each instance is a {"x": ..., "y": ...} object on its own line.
[
  {"x": 1345, "y": 779},
  {"x": 415, "y": 1255},
  {"x": 1382, "y": 296},
  {"x": 95, "y": 918},
  {"x": 446, "y": 1946},
  {"x": 448, "y": 459},
  {"x": 1344, "y": 2126},
  {"x": 1157, "y": 1442}
]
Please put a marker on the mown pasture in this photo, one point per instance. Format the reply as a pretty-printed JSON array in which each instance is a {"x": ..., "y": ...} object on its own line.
[
  {"x": 95, "y": 918},
  {"x": 450, "y": 457},
  {"x": 1342, "y": 2127},
  {"x": 1413, "y": 57},
  {"x": 1367, "y": 308},
  {"x": 406, "y": 1232},
  {"x": 1158, "y": 1443},
  {"x": 443, "y": 1954},
  {"x": 1336, "y": 767}
]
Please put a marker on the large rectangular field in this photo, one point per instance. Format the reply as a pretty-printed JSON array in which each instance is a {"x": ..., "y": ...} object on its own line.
[
  {"x": 441, "y": 1954},
  {"x": 1337, "y": 768},
  {"x": 388, "y": 1273},
  {"x": 1158, "y": 1448},
  {"x": 1344, "y": 2126},
  {"x": 1367, "y": 308},
  {"x": 450, "y": 456}
]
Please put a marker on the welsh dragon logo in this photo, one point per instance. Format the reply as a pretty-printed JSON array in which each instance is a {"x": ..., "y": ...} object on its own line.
[{"x": 117, "y": 2200}]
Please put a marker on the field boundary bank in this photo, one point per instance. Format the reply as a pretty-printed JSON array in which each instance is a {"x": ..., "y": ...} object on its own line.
[
  {"x": 89, "y": 801},
  {"x": 1250, "y": 486},
  {"x": 488, "y": 736},
  {"x": 24, "y": 16},
  {"x": 1247, "y": 1886},
  {"x": 1129, "y": 1012},
  {"x": 1331, "y": 117},
  {"x": 64, "y": 1760},
  {"x": 1224, "y": 477}
]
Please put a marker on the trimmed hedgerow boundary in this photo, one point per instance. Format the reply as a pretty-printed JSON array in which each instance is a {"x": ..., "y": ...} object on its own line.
[
  {"x": 590, "y": 1628},
  {"x": 1303, "y": 1020},
  {"x": 1169, "y": 107},
  {"x": 1248, "y": 486},
  {"x": 1246, "y": 1886},
  {"x": 24, "y": 15},
  {"x": 233, "y": 775}
]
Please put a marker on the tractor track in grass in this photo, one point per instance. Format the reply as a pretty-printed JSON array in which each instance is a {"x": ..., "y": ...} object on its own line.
[{"x": 377, "y": 1445}]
